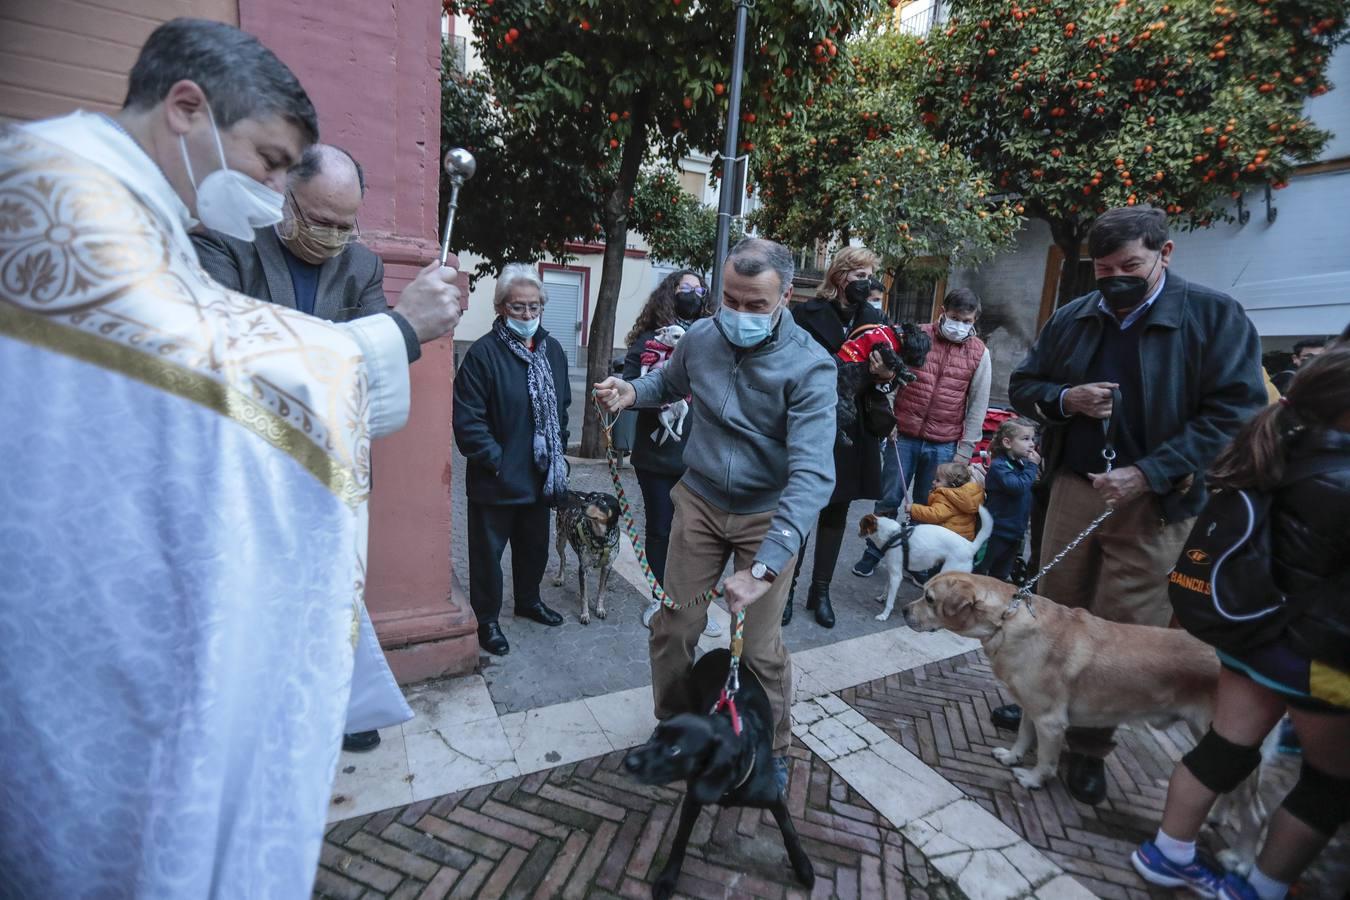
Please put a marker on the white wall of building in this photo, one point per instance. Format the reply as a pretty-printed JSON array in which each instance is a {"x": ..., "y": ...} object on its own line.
[
  {"x": 1010, "y": 294},
  {"x": 1293, "y": 275},
  {"x": 640, "y": 278}
]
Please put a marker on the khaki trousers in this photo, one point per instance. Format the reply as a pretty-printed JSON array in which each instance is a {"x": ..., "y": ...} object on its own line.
[
  {"x": 1119, "y": 572},
  {"x": 702, "y": 539}
]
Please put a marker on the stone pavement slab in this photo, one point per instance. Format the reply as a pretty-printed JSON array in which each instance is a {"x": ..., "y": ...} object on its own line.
[
  {"x": 586, "y": 830},
  {"x": 575, "y": 661},
  {"x": 939, "y": 714}
]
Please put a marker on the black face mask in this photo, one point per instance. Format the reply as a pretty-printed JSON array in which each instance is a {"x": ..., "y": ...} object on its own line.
[
  {"x": 856, "y": 292},
  {"x": 688, "y": 305},
  {"x": 1124, "y": 292}
]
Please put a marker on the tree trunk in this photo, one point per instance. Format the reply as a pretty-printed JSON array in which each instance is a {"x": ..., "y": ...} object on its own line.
[
  {"x": 600, "y": 347},
  {"x": 1068, "y": 236}
]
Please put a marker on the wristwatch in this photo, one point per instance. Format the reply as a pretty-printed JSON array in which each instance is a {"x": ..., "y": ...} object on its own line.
[{"x": 761, "y": 572}]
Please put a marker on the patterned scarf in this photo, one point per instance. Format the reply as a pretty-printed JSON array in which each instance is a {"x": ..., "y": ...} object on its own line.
[{"x": 548, "y": 448}]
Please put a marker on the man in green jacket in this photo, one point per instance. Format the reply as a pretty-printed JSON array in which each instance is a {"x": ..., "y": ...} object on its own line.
[{"x": 1186, "y": 361}]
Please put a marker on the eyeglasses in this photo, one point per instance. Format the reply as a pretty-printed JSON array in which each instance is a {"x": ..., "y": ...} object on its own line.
[
  {"x": 330, "y": 233},
  {"x": 698, "y": 290},
  {"x": 524, "y": 309}
]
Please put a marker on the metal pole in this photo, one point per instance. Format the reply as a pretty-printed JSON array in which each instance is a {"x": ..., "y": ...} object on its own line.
[
  {"x": 450, "y": 219},
  {"x": 725, "y": 198}
]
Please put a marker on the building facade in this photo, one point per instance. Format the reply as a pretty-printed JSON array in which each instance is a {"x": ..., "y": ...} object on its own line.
[{"x": 375, "y": 80}]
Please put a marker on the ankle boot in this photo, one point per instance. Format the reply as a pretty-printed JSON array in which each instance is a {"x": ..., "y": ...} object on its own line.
[
  {"x": 787, "y": 607},
  {"x": 819, "y": 600}
]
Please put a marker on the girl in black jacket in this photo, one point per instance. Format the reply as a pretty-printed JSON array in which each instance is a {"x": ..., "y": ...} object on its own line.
[
  {"x": 1306, "y": 668},
  {"x": 680, "y": 299}
]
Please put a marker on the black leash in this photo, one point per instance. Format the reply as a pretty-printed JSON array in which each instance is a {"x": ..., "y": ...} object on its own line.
[{"x": 1111, "y": 429}]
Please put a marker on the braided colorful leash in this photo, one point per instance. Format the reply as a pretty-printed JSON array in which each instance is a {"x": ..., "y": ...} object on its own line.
[{"x": 607, "y": 421}]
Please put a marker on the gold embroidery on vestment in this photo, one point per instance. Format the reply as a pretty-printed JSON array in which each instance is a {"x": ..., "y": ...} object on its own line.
[
  {"x": 40, "y": 331},
  {"x": 90, "y": 270}
]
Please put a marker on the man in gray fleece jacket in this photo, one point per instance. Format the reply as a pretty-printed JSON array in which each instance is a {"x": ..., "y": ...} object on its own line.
[{"x": 760, "y": 466}]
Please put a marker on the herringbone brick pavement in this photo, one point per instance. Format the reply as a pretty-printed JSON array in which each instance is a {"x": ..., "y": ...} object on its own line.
[
  {"x": 940, "y": 713},
  {"x": 587, "y": 830}
]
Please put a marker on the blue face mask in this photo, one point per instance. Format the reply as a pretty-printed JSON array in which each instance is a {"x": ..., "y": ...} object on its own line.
[
  {"x": 526, "y": 330},
  {"x": 744, "y": 329}
]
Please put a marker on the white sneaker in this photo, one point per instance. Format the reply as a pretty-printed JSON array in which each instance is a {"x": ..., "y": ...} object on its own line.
[
  {"x": 649, "y": 612},
  {"x": 712, "y": 629}
]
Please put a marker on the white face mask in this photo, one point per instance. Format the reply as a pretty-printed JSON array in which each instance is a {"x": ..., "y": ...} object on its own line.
[
  {"x": 228, "y": 201},
  {"x": 875, "y": 304},
  {"x": 955, "y": 331}
]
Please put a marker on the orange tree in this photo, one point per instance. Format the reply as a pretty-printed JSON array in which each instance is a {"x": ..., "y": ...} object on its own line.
[
  {"x": 598, "y": 86},
  {"x": 679, "y": 228},
  {"x": 856, "y": 162},
  {"x": 1080, "y": 105}
]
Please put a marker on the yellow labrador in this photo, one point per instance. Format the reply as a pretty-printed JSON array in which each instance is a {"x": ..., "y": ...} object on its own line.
[{"x": 1067, "y": 667}]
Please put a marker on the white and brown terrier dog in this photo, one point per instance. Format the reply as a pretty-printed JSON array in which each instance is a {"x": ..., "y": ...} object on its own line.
[
  {"x": 589, "y": 524},
  {"x": 672, "y": 415}
]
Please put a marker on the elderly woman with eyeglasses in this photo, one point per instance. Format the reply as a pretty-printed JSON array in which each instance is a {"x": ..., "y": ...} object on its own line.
[
  {"x": 658, "y": 457},
  {"x": 510, "y": 419}
]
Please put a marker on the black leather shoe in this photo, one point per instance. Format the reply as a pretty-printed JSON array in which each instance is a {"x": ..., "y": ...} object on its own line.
[
  {"x": 539, "y": 613},
  {"x": 491, "y": 639},
  {"x": 1009, "y": 717},
  {"x": 1086, "y": 779},
  {"x": 361, "y": 742},
  {"x": 819, "y": 600}
]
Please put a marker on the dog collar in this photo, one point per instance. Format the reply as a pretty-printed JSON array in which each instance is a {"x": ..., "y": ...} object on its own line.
[
  {"x": 744, "y": 778},
  {"x": 1017, "y": 600}
]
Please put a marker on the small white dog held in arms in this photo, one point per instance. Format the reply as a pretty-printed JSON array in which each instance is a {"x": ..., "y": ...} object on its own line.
[
  {"x": 672, "y": 415},
  {"x": 928, "y": 546}
]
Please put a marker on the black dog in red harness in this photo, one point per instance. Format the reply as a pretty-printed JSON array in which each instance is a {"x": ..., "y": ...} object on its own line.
[
  {"x": 725, "y": 757},
  {"x": 901, "y": 348}
]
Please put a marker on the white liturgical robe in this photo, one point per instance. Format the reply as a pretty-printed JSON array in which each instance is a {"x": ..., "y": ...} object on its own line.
[{"x": 182, "y": 540}]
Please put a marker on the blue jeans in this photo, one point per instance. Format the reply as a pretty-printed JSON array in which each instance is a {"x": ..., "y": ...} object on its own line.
[{"x": 919, "y": 459}]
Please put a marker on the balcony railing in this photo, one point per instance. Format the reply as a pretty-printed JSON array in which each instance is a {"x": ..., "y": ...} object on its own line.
[{"x": 919, "y": 17}]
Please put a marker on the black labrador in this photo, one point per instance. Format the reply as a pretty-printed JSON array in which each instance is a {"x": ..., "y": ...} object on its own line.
[{"x": 719, "y": 765}]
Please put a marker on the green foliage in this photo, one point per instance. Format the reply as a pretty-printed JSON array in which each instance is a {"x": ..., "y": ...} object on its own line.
[
  {"x": 614, "y": 68},
  {"x": 856, "y": 162},
  {"x": 1080, "y": 105},
  {"x": 546, "y": 210},
  {"x": 591, "y": 86},
  {"x": 679, "y": 229}
]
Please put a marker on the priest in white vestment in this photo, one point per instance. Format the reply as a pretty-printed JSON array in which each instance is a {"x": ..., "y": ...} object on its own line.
[{"x": 183, "y": 509}]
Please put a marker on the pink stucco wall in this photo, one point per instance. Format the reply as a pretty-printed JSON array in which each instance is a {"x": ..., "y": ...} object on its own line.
[{"x": 373, "y": 71}]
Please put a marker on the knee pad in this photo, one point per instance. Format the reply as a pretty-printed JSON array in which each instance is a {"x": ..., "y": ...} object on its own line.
[
  {"x": 1319, "y": 800},
  {"x": 1219, "y": 764}
]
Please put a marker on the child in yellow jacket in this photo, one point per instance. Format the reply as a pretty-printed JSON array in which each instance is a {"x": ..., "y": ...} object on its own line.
[{"x": 954, "y": 503}]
